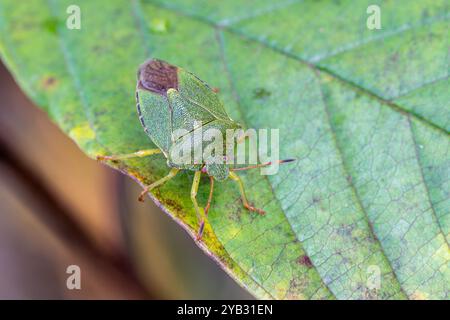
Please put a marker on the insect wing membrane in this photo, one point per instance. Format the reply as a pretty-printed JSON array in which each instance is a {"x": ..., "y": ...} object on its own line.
[
  {"x": 155, "y": 117},
  {"x": 198, "y": 92},
  {"x": 186, "y": 114}
]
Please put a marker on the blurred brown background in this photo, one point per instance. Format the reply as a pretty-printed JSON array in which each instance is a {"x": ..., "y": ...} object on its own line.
[{"x": 60, "y": 208}]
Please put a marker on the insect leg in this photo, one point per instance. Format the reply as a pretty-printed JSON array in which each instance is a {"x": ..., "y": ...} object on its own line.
[
  {"x": 200, "y": 217},
  {"x": 137, "y": 154},
  {"x": 211, "y": 188},
  {"x": 247, "y": 205},
  {"x": 157, "y": 183}
]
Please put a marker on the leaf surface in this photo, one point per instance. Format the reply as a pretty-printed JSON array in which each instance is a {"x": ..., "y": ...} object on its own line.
[{"x": 365, "y": 112}]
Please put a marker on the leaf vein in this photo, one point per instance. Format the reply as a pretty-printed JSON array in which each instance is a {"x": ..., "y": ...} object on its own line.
[{"x": 351, "y": 184}]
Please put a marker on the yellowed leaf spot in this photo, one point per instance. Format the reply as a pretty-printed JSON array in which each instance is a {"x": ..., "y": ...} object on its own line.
[{"x": 82, "y": 133}]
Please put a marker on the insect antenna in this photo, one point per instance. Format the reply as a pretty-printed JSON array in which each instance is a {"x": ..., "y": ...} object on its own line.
[{"x": 261, "y": 165}]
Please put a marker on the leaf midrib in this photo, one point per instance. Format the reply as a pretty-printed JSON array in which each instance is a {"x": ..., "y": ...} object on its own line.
[
  {"x": 353, "y": 187},
  {"x": 244, "y": 119}
]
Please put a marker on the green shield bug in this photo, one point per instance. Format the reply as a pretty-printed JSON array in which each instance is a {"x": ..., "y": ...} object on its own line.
[{"x": 168, "y": 99}]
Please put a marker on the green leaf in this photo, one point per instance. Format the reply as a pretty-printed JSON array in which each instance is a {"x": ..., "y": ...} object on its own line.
[{"x": 365, "y": 112}]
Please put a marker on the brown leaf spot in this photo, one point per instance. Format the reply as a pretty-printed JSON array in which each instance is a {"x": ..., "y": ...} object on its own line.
[
  {"x": 349, "y": 179},
  {"x": 394, "y": 57},
  {"x": 174, "y": 205},
  {"x": 305, "y": 261},
  {"x": 48, "y": 82}
]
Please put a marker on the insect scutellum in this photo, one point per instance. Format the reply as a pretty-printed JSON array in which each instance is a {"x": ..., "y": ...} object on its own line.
[{"x": 174, "y": 108}]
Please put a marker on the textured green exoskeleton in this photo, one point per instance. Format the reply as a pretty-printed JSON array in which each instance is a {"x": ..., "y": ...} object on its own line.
[{"x": 168, "y": 99}]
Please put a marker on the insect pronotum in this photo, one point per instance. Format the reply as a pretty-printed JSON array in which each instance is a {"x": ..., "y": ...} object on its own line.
[{"x": 170, "y": 98}]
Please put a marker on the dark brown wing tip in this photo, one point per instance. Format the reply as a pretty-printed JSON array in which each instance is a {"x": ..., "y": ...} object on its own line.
[{"x": 157, "y": 76}]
